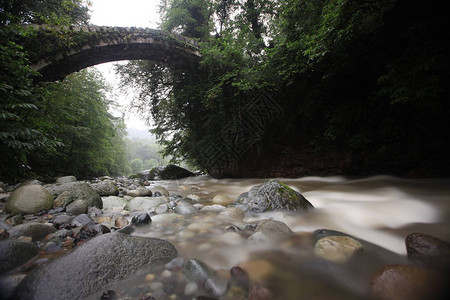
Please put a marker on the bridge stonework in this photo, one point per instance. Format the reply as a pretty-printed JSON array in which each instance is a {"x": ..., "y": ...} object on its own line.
[{"x": 85, "y": 46}]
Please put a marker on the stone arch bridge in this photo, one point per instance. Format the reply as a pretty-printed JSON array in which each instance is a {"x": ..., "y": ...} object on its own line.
[{"x": 65, "y": 50}]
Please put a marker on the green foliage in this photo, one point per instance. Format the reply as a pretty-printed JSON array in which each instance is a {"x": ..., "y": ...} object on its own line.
[
  {"x": 58, "y": 128},
  {"x": 75, "y": 111},
  {"x": 361, "y": 79}
]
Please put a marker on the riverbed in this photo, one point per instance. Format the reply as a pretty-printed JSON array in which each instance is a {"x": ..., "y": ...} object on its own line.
[{"x": 378, "y": 211}]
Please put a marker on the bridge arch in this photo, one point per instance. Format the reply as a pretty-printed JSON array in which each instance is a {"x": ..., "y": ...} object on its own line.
[{"x": 100, "y": 44}]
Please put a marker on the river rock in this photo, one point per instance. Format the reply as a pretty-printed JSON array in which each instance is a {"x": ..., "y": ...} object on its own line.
[
  {"x": 214, "y": 207},
  {"x": 59, "y": 236},
  {"x": 216, "y": 285},
  {"x": 66, "y": 179},
  {"x": 170, "y": 172},
  {"x": 399, "y": 282},
  {"x": 160, "y": 189},
  {"x": 146, "y": 203},
  {"x": 77, "y": 191},
  {"x": 337, "y": 248},
  {"x": 82, "y": 220},
  {"x": 272, "y": 196},
  {"x": 321, "y": 233},
  {"x": 428, "y": 250},
  {"x": 36, "y": 231},
  {"x": 14, "y": 253},
  {"x": 29, "y": 199},
  {"x": 141, "y": 219},
  {"x": 134, "y": 193},
  {"x": 9, "y": 283},
  {"x": 62, "y": 219},
  {"x": 93, "y": 266},
  {"x": 77, "y": 207},
  {"x": 222, "y": 200},
  {"x": 121, "y": 222},
  {"x": 114, "y": 201},
  {"x": 163, "y": 208},
  {"x": 105, "y": 188},
  {"x": 271, "y": 230},
  {"x": 196, "y": 270},
  {"x": 185, "y": 208},
  {"x": 232, "y": 213}
]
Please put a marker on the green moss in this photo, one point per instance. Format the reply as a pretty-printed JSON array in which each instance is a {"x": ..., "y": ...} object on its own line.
[{"x": 288, "y": 191}]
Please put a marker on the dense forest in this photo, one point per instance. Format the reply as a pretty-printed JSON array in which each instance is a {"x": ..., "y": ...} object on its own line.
[
  {"x": 299, "y": 87},
  {"x": 283, "y": 88}
]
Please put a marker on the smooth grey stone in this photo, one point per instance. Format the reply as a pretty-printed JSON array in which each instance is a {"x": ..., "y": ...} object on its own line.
[
  {"x": 14, "y": 253},
  {"x": 95, "y": 265}
]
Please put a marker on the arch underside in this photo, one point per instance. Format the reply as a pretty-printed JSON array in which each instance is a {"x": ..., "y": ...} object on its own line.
[{"x": 158, "y": 52}]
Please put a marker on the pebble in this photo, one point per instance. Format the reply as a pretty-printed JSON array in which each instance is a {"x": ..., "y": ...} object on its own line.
[
  {"x": 156, "y": 286},
  {"x": 150, "y": 277},
  {"x": 141, "y": 219},
  {"x": 121, "y": 222},
  {"x": 190, "y": 289},
  {"x": 166, "y": 274}
]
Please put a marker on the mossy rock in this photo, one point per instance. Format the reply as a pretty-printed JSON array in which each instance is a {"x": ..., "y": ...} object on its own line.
[{"x": 272, "y": 196}]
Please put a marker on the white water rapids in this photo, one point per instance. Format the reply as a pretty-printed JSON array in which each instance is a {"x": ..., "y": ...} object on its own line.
[{"x": 380, "y": 209}]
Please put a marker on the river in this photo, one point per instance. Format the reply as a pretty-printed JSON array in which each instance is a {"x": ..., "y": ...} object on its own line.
[{"x": 379, "y": 211}]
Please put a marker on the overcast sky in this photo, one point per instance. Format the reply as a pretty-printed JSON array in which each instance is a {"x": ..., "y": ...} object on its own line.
[{"x": 124, "y": 13}]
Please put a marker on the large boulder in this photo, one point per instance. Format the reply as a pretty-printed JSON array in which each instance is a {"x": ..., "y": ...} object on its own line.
[
  {"x": 14, "y": 253},
  {"x": 165, "y": 173},
  {"x": 272, "y": 196},
  {"x": 76, "y": 191},
  {"x": 29, "y": 199},
  {"x": 105, "y": 188},
  {"x": 94, "y": 266}
]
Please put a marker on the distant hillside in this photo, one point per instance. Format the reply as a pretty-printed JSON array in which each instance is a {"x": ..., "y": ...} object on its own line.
[{"x": 140, "y": 134}]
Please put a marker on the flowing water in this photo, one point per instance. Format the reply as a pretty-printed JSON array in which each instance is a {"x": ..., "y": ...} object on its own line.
[{"x": 378, "y": 211}]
